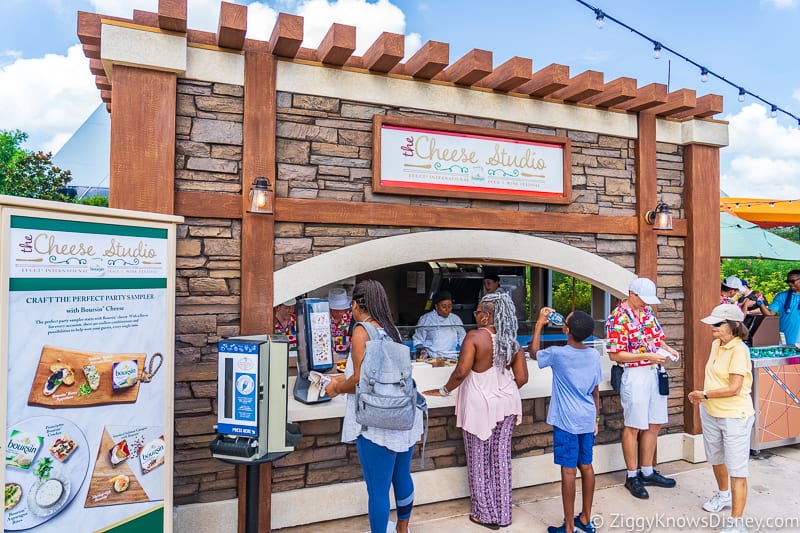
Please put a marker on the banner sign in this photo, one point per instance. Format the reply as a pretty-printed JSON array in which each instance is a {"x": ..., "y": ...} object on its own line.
[
  {"x": 431, "y": 159},
  {"x": 87, "y": 381}
]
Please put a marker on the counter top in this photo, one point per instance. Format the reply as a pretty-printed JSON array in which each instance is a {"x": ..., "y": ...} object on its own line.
[{"x": 427, "y": 377}]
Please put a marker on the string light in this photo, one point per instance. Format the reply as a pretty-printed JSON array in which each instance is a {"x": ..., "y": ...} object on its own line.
[
  {"x": 751, "y": 203},
  {"x": 601, "y": 17},
  {"x": 599, "y": 22}
]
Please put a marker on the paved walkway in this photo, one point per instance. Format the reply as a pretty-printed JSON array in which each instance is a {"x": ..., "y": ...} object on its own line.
[{"x": 773, "y": 503}]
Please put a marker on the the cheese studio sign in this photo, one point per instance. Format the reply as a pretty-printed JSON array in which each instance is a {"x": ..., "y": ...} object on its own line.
[{"x": 434, "y": 159}]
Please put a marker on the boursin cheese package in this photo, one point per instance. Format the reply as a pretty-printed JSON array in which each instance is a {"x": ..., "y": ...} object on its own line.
[
  {"x": 124, "y": 374},
  {"x": 153, "y": 454},
  {"x": 22, "y": 448}
]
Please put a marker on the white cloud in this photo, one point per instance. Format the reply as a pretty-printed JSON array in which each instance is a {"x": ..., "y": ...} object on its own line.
[
  {"x": 260, "y": 21},
  {"x": 782, "y": 4},
  {"x": 764, "y": 156},
  {"x": 371, "y": 19},
  {"x": 48, "y": 97}
]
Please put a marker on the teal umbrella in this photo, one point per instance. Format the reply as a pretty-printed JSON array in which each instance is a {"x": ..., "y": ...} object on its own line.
[{"x": 740, "y": 238}]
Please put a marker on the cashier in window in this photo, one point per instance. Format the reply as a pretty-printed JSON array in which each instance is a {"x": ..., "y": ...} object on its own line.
[
  {"x": 439, "y": 330},
  {"x": 339, "y": 304}
]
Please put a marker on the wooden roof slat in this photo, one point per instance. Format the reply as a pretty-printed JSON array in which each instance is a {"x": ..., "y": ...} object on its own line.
[
  {"x": 546, "y": 81},
  {"x": 338, "y": 45},
  {"x": 92, "y": 51},
  {"x": 232, "y": 26},
  {"x": 96, "y": 67},
  {"x": 145, "y": 18},
  {"x": 254, "y": 45},
  {"x": 581, "y": 87},
  {"x": 649, "y": 96},
  {"x": 172, "y": 15},
  {"x": 386, "y": 52},
  {"x": 89, "y": 27},
  {"x": 105, "y": 96},
  {"x": 102, "y": 83},
  {"x": 473, "y": 66},
  {"x": 201, "y": 37},
  {"x": 287, "y": 35},
  {"x": 509, "y": 75},
  {"x": 677, "y": 101},
  {"x": 707, "y": 105},
  {"x": 614, "y": 92},
  {"x": 427, "y": 62}
]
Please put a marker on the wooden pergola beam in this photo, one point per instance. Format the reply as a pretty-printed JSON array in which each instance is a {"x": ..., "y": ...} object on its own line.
[
  {"x": 427, "y": 62},
  {"x": 201, "y": 37},
  {"x": 546, "y": 81},
  {"x": 581, "y": 87},
  {"x": 145, "y": 18},
  {"x": 232, "y": 26},
  {"x": 647, "y": 97},
  {"x": 509, "y": 75},
  {"x": 614, "y": 92},
  {"x": 473, "y": 66},
  {"x": 91, "y": 51},
  {"x": 96, "y": 67},
  {"x": 172, "y": 15},
  {"x": 707, "y": 105},
  {"x": 287, "y": 35},
  {"x": 677, "y": 102},
  {"x": 385, "y": 53},
  {"x": 102, "y": 83},
  {"x": 338, "y": 45}
]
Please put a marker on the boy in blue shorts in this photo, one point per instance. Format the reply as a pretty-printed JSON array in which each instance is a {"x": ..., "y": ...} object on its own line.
[{"x": 574, "y": 412}]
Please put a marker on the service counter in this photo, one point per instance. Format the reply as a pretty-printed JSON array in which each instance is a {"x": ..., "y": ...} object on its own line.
[{"x": 427, "y": 377}]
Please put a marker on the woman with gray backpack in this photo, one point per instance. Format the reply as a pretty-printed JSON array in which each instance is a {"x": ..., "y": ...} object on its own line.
[{"x": 383, "y": 416}]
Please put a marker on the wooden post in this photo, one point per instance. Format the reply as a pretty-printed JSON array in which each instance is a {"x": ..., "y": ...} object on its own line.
[{"x": 701, "y": 274}]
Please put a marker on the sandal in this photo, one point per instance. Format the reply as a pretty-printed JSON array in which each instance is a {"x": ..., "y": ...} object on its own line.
[{"x": 474, "y": 520}]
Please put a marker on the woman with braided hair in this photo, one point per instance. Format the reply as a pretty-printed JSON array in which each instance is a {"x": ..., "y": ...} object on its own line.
[
  {"x": 491, "y": 368},
  {"x": 385, "y": 454}
]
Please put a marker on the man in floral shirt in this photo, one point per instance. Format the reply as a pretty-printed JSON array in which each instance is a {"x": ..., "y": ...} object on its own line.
[{"x": 633, "y": 338}]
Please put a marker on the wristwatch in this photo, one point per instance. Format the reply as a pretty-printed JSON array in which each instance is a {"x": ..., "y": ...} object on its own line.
[{"x": 705, "y": 395}]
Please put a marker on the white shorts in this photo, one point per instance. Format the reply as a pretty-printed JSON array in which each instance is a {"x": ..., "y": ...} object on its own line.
[
  {"x": 642, "y": 405},
  {"x": 727, "y": 441}
]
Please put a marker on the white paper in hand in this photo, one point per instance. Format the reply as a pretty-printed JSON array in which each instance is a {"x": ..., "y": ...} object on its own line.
[{"x": 665, "y": 353}]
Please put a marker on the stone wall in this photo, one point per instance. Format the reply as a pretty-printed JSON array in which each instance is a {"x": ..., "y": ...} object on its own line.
[{"x": 324, "y": 150}]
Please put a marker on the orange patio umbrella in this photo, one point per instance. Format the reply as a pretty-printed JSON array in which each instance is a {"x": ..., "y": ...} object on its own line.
[{"x": 766, "y": 213}]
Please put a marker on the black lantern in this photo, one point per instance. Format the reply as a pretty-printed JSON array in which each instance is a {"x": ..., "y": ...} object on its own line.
[
  {"x": 261, "y": 196},
  {"x": 660, "y": 219}
]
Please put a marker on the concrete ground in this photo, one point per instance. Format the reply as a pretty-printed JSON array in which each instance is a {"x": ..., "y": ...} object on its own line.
[{"x": 773, "y": 503}]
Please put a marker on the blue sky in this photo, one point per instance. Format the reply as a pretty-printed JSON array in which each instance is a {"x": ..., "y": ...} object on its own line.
[{"x": 46, "y": 88}]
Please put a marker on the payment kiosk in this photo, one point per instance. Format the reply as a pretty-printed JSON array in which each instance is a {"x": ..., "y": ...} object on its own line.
[{"x": 314, "y": 350}]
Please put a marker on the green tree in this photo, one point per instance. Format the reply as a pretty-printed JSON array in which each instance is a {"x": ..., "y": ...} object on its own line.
[
  {"x": 29, "y": 174},
  {"x": 570, "y": 294}
]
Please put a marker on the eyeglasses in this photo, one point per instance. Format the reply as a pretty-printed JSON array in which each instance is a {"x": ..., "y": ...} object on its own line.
[
  {"x": 793, "y": 280},
  {"x": 478, "y": 311},
  {"x": 718, "y": 324}
]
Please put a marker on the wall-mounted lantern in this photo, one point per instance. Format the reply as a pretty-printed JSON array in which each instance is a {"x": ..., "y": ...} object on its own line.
[
  {"x": 261, "y": 196},
  {"x": 660, "y": 219}
]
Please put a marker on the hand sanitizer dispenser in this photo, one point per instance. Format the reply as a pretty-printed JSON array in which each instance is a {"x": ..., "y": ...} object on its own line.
[{"x": 252, "y": 399}]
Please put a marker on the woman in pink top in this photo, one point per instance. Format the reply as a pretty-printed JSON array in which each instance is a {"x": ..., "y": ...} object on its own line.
[{"x": 491, "y": 368}]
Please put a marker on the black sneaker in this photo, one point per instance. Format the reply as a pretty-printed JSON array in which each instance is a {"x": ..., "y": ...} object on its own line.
[
  {"x": 657, "y": 480},
  {"x": 634, "y": 485}
]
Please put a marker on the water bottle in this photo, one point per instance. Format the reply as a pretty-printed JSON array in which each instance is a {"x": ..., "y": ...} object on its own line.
[{"x": 555, "y": 318}]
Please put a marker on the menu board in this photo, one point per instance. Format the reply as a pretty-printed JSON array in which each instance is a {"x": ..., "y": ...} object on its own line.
[{"x": 87, "y": 354}]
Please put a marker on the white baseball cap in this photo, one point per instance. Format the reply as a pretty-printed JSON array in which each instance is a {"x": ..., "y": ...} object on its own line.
[
  {"x": 722, "y": 313},
  {"x": 732, "y": 282},
  {"x": 644, "y": 289}
]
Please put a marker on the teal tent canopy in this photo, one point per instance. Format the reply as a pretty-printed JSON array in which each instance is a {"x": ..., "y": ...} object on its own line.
[{"x": 740, "y": 238}]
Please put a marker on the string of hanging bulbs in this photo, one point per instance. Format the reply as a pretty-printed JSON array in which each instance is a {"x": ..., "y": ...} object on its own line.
[
  {"x": 751, "y": 203},
  {"x": 600, "y": 18}
]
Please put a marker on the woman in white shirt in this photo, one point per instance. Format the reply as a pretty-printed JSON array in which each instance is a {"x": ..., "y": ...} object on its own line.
[{"x": 439, "y": 330}]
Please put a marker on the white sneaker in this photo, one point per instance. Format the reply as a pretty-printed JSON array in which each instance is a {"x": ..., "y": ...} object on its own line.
[
  {"x": 391, "y": 527},
  {"x": 733, "y": 525},
  {"x": 717, "y": 502}
]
